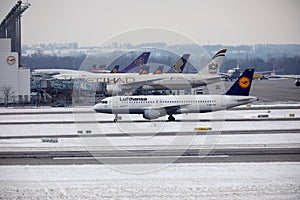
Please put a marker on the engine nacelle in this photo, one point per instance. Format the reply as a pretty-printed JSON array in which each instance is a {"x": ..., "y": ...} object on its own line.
[
  {"x": 297, "y": 82},
  {"x": 153, "y": 114}
]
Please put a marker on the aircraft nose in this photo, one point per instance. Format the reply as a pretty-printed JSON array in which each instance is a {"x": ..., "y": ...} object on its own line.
[{"x": 97, "y": 107}]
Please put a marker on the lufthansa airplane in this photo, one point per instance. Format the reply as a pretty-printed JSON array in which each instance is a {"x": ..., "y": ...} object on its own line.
[{"x": 153, "y": 107}]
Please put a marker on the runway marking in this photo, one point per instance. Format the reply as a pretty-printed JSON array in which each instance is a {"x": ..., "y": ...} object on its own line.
[
  {"x": 193, "y": 133},
  {"x": 142, "y": 157}
]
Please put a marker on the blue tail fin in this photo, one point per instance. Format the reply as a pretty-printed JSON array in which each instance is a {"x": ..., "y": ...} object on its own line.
[
  {"x": 180, "y": 64},
  {"x": 139, "y": 61},
  {"x": 115, "y": 69},
  {"x": 242, "y": 86}
]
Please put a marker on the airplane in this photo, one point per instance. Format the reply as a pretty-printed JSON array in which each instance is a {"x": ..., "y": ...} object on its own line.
[
  {"x": 296, "y": 77},
  {"x": 132, "y": 67},
  {"x": 153, "y": 107},
  {"x": 297, "y": 81},
  {"x": 140, "y": 60},
  {"x": 235, "y": 72},
  {"x": 130, "y": 82}
]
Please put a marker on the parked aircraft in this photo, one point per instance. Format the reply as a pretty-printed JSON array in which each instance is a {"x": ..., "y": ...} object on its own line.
[
  {"x": 130, "y": 82},
  {"x": 296, "y": 77},
  {"x": 178, "y": 67},
  {"x": 235, "y": 72},
  {"x": 153, "y": 107}
]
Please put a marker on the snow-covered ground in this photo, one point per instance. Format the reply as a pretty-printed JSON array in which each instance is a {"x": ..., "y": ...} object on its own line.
[
  {"x": 175, "y": 181},
  {"x": 34, "y": 124},
  {"x": 271, "y": 180},
  {"x": 144, "y": 133}
]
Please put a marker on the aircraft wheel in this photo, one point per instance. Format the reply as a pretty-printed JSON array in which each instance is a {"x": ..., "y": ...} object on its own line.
[{"x": 171, "y": 118}]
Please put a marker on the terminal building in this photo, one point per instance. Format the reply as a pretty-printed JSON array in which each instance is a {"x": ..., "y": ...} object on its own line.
[{"x": 14, "y": 80}]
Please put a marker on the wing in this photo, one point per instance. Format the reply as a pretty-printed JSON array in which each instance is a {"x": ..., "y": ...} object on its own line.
[
  {"x": 172, "y": 109},
  {"x": 138, "y": 84}
]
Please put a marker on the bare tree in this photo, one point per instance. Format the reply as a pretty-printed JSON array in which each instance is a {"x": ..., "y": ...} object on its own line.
[{"x": 7, "y": 91}]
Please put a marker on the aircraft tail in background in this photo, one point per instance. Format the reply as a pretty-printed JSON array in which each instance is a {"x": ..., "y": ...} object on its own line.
[
  {"x": 213, "y": 66},
  {"x": 115, "y": 69},
  {"x": 180, "y": 64},
  {"x": 159, "y": 70},
  {"x": 139, "y": 61}
]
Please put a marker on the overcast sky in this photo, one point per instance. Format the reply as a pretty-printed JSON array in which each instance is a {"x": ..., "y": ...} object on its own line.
[{"x": 227, "y": 22}]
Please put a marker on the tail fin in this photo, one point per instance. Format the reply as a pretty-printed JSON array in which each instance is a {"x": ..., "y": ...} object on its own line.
[
  {"x": 133, "y": 66},
  {"x": 213, "y": 66},
  {"x": 159, "y": 70},
  {"x": 180, "y": 64},
  {"x": 144, "y": 70},
  {"x": 242, "y": 85},
  {"x": 115, "y": 69}
]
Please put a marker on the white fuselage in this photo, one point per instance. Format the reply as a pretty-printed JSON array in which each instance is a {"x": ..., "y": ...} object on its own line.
[
  {"x": 121, "y": 81},
  {"x": 170, "y": 104}
]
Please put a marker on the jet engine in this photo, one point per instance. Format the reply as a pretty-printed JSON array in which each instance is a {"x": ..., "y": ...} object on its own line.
[
  {"x": 153, "y": 114},
  {"x": 297, "y": 82}
]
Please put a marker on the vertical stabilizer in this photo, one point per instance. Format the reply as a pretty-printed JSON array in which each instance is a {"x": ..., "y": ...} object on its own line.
[
  {"x": 242, "y": 85},
  {"x": 213, "y": 66},
  {"x": 133, "y": 67}
]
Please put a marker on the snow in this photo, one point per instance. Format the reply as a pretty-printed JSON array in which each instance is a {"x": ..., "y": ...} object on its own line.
[
  {"x": 216, "y": 141},
  {"x": 176, "y": 181},
  {"x": 143, "y": 133},
  {"x": 270, "y": 180},
  {"x": 34, "y": 124}
]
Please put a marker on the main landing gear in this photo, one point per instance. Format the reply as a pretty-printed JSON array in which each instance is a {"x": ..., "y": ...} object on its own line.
[
  {"x": 116, "y": 118},
  {"x": 171, "y": 118}
]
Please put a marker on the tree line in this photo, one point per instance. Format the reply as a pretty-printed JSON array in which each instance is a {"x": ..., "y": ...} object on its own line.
[{"x": 291, "y": 65}]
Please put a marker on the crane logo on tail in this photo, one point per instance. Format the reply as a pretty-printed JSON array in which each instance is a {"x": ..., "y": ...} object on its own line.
[
  {"x": 139, "y": 62},
  {"x": 244, "y": 82}
]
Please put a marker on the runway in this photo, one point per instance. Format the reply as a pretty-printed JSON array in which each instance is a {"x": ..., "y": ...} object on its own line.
[{"x": 150, "y": 156}]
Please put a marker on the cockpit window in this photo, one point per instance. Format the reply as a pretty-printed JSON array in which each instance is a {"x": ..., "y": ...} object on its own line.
[{"x": 104, "y": 102}]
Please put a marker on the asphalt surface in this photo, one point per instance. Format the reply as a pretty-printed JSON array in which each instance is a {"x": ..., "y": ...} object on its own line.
[
  {"x": 275, "y": 91},
  {"x": 149, "y": 156}
]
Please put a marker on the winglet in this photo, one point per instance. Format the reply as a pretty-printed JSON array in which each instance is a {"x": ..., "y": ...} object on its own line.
[
  {"x": 133, "y": 66},
  {"x": 242, "y": 85}
]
